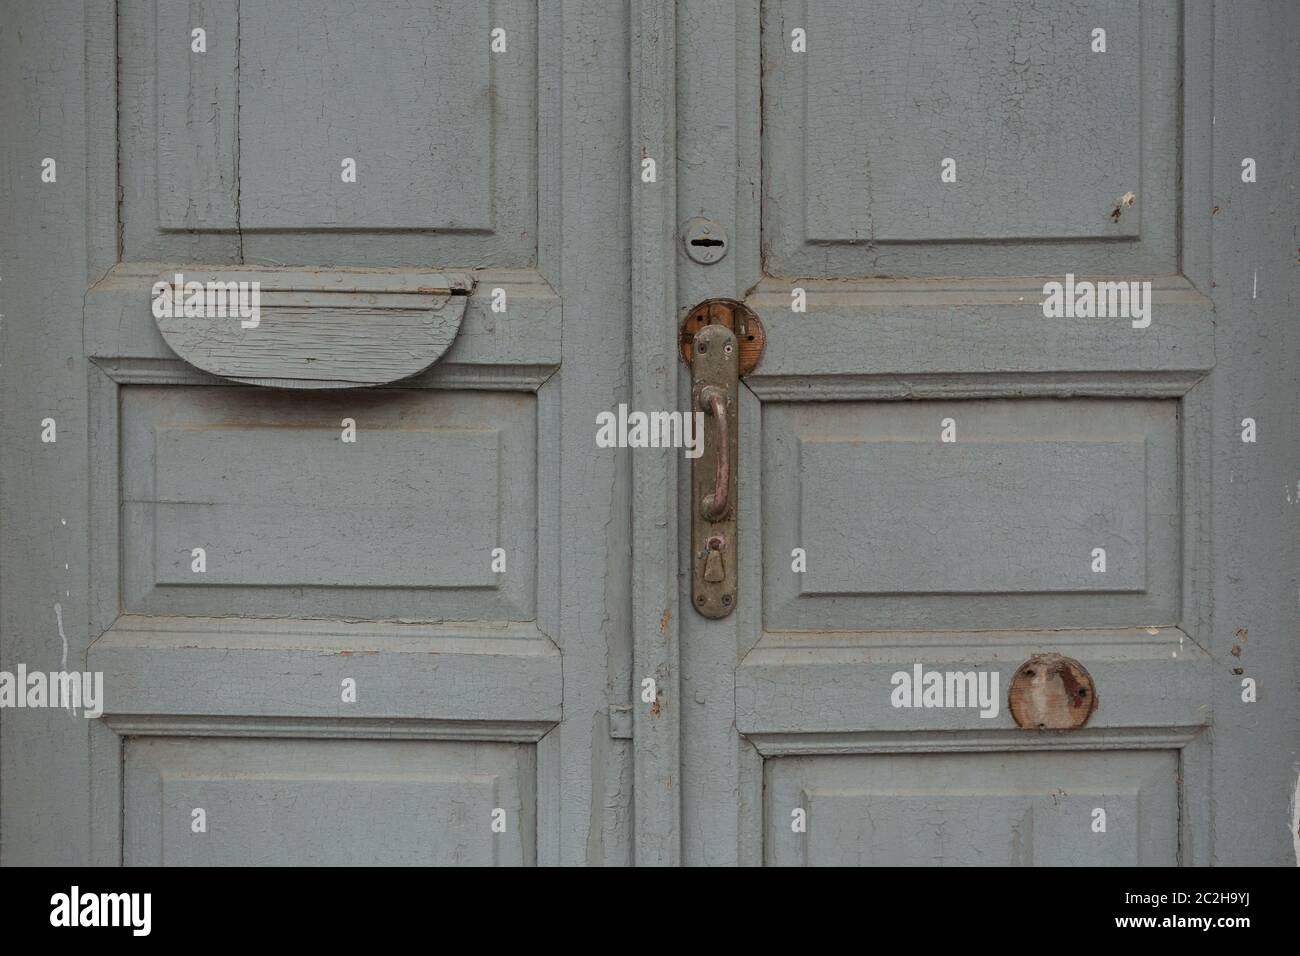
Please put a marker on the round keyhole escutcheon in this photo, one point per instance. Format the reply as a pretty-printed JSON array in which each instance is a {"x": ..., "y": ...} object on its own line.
[{"x": 705, "y": 240}]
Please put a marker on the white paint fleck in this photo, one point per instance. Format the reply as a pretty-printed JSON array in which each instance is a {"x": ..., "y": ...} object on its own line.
[
  {"x": 1254, "y": 289},
  {"x": 58, "y": 617}
]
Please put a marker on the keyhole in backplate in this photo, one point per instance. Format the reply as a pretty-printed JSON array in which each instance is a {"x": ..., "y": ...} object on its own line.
[{"x": 705, "y": 241}]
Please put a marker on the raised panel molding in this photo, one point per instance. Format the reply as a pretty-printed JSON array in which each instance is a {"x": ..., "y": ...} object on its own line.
[
  {"x": 273, "y": 85},
  {"x": 996, "y": 528},
  {"x": 236, "y": 154},
  {"x": 857, "y": 192},
  {"x": 1038, "y": 113},
  {"x": 293, "y": 523},
  {"x": 1145, "y": 677},
  {"x": 529, "y": 593},
  {"x": 981, "y": 328},
  {"x": 327, "y": 801},
  {"x": 288, "y": 669},
  {"x": 1009, "y": 808},
  {"x": 1003, "y": 523}
]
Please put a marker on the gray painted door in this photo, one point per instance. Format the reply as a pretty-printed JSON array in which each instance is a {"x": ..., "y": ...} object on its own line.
[
  {"x": 336, "y": 625},
  {"x": 931, "y": 466},
  {"x": 484, "y": 228}
]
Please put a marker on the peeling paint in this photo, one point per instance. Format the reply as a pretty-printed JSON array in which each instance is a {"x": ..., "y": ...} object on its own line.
[
  {"x": 58, "y": 618},
  {"x": 1124, "y": 201},
  {"x": 63, "y": 659}
]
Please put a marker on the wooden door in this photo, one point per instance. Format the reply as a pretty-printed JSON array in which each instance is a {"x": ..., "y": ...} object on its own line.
[
  {"x": 336, "y": 624},
  {"x": 941, "y": 477}
]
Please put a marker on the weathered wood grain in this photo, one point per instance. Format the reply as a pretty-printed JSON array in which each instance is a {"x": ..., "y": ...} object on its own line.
[{"x": 336, "y": 329}]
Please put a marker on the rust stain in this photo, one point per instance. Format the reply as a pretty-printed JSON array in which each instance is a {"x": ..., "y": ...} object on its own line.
[
  {"x": 663, "y": 623},
  {"x": 654, "y": 709},
  {"x": 1052, "y": 692},
  {"x": 747, "y": 326},
  {"x": 1241, "y": 634}
]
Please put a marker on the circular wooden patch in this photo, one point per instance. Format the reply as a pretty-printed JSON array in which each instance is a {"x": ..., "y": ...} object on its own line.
[
  {"x": 738, "y": 317},
  {"x": 1052, "y": 692}
]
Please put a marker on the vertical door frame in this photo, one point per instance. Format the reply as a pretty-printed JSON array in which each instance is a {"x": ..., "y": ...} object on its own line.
[{"x": 656, "y": 614}]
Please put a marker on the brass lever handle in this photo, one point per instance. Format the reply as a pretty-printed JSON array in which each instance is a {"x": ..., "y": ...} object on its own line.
[{"x": 714, "y": 504}]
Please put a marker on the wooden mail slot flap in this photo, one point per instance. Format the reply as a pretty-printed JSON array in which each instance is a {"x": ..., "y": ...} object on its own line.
[{"x": 304, "y": 328}]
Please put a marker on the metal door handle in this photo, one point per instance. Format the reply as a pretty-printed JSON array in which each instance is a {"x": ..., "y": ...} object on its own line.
[
  {"x": 721, "y": 340},
  {"x": 715, "y": 370},
  {"x": 713, "y": 399}
]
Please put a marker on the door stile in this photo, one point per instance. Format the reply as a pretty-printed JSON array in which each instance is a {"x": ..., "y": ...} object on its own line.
[{"x": 655, "y": 609}]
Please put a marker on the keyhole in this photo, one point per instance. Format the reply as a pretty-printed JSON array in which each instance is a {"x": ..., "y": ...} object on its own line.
[{"x": 705, "y": 240}]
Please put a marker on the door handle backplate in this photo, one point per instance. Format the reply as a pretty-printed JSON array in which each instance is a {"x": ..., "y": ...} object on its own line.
[{"x": 715, "y": 387}]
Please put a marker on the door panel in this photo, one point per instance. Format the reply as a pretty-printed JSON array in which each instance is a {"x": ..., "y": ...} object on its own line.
[
  {"x": 1054, "y": 479},
  {"x": 247, "y": 140},
  {"x": 327, "y": 802},
  {"x": 995, "y": 809},
  {"x": 946, "y": 459},
  {"x": 454, "y": 467},
  {"x": 1043, "y": 132}
]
